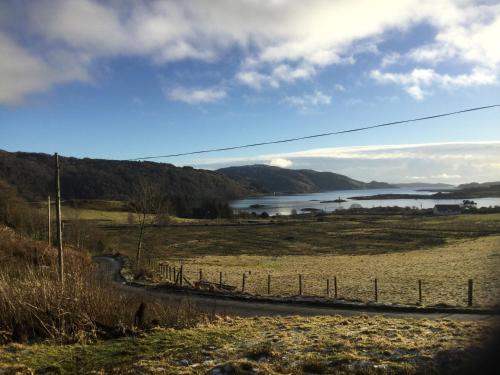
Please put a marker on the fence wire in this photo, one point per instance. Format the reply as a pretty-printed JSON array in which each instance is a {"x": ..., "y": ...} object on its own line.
[{"x": 388, "y": 290}]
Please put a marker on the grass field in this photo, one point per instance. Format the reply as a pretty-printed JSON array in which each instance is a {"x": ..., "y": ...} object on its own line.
[
  {"x": 398, "y": 250},
  {"x": 444, "y": 271},
  {"x": 443, "y": 252},
  {"x": 333, "y": 235},
  {"x": 286, "y": 345}
]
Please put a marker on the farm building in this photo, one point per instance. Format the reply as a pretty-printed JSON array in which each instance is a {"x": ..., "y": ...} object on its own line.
[{"x": 447, "y": 209}]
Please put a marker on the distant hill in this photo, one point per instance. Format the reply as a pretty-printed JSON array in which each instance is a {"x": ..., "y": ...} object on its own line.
[
  {"x": 32, "y": 175},
  {"x": 423, "y": 185},
  {"x": 466, "y": 191},
  {"x": 475, "y": 190},
  {"x": 269, "y": 179},
  {"x": 476, "y": 185}
]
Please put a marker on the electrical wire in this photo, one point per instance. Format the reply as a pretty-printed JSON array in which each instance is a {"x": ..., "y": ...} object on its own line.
[{"x": 400, "y": 122}]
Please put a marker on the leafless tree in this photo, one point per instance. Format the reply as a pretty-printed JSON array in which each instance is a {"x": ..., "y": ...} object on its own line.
[{"x": 148, "y": 203}]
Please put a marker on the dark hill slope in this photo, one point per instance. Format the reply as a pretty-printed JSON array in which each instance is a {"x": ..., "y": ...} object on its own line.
[
  {"x": 268, "y": 179},
  {"x": 32, "y": 175}
]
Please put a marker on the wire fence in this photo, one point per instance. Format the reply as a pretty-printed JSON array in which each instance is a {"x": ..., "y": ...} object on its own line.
[{"x": 387, "y": 290}]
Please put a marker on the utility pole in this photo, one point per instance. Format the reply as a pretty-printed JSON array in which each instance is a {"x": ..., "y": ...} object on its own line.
[
  {"x": 59, "y": 222},
  {"x": 48, "y": 222}
]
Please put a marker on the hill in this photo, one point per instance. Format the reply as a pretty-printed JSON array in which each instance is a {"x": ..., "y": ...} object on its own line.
[
  {"x": 476, "y": 185},
  {"x": 32, "y": 175},
  {"x": 426, "y": 186},
  {"x": 269, "y": 179}
]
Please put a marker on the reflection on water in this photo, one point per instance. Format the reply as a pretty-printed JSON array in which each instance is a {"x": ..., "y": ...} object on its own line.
[{"x": 284, "y": 204}]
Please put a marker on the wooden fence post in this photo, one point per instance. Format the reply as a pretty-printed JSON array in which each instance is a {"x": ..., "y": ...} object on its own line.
[
  {"x": 300, "y": 285},
  {"x": 335, "y": 287},
  {"x": 60, "y": 255},
  {"x": 243, "y": 282},
  {"x": 268, "y": 284},
  {"x": 220, "y": 280},
  {"x": 328, "y": 288},
  {"x": 201, "y": 274},
  {"x": 376, "y": 291},
  {"x": 420, "y": 291},
  {"x": 181, "y": 274},
  {"x": 49, "y": 229},
  {"x": 469, "y": 293}
]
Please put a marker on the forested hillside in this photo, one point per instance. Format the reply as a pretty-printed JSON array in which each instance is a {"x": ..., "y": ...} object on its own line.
[
  {"x": 280, "y": 180},
  {"x": 32, "y": 175}
]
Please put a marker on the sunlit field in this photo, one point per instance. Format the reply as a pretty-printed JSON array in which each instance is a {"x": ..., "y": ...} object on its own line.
[{"x": 397, "y": 250}]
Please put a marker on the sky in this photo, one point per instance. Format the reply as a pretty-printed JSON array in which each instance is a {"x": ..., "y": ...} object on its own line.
[{"x": 129, "y": 79}]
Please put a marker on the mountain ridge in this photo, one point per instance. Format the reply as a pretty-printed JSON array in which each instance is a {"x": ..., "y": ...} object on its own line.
[{"x": 271, "y": 179}]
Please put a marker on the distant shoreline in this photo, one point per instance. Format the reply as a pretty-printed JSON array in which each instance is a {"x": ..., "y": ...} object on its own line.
[{"x": 450, "y": 195}]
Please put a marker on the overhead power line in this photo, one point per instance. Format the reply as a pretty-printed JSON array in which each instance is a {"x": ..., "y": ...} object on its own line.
[{"x": 400, "y": 122}]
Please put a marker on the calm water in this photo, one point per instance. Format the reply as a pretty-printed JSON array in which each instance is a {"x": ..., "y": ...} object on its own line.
[{"x": 284, "y": 204}]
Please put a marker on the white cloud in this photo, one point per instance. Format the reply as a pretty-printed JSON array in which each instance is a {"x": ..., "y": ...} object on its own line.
[
  {"x": 308, "y": 101},
  {"x": 280, "y": 162},
  {"x": 339, "y": 87},
  {"x": 417, "y": 80},
  {"x": 281, "y": 41},
  {"x": 195, "y": 95},
  {"x": 390, "y": 59},
  {"x": 22, "y": 73},
  {"x": 278, "y": 75},
  {"x": 455, "y": 162},
  {"x": 467, "y": 34},
  {"x": 442, "y": 176}
]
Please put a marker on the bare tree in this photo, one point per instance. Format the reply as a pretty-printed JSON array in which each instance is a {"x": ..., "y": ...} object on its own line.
[{"x": 148, "y": 203}]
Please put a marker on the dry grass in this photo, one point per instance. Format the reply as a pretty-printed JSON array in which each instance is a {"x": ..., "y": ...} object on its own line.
[
  {"x": 443, "y": 270},
  {"x": 282, "y": 345},
  {"x": 333, "y": 235},
  {"x": 34, "y": 305}
]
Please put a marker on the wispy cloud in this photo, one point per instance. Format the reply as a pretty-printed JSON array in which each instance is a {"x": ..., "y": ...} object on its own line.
[
  {"x": 454, "y": 162},
  {"x": 417, "y": 81},
  {"x": 308, "y": 101},
  {"x": 195, "y": 95}
]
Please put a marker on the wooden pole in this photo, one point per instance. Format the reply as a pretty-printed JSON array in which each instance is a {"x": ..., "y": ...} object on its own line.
[
  {"x": 243, "y": 282},
  {"x": 335, "y": 287},
  {"x": 268, "y": 284},
  {"x": 376, "y": 291},
  {"x": 300, "y": 285},
  {"x": 59, "y": 220},
  {"x": 328, "y": 288},
  {"x": 181, "y": 274},
  {"x": 49, "y": 229},
  {"x": 469, "y": 294},
  {"x": 220, "y": 280},
  {"x": 420, "y": 291},
  {"x": 201, "y": 274}
]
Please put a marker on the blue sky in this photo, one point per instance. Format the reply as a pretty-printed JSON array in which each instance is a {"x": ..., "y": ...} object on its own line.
[{"x": 129, "y": 79}]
